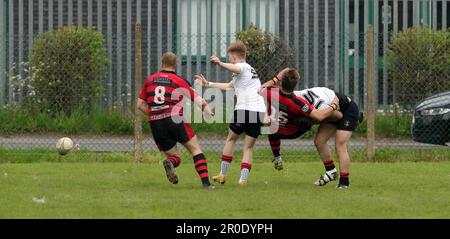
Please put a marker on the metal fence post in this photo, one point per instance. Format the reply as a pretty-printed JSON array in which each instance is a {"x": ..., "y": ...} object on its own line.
[
  {"x": 138, "y": 84},
  {"x": 370, "y": 108}
]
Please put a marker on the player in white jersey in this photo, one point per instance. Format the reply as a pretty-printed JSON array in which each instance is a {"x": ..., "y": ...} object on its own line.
[
  {"x": 319, "y": 97},
  {"x": 249, "y": 110},
  {"x": 341, "y": 129}
]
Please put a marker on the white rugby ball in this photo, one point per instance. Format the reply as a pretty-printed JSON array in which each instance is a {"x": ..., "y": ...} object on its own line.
[{"x": 64, "y": 145}]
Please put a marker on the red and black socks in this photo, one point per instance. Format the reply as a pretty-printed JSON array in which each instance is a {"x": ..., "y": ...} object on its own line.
[
  {"x": 329, "y": 165},
  {"x": 344, "y": 178},
  {"x": 175, "y": 160},
  {"x": 275, "y": 146},
  {"x": 202, "y": 168}
]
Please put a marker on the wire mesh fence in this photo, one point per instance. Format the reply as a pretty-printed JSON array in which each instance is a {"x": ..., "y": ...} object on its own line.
[
  {"x": 79, "y": 83},
  {"x": 417, "y": 63}
]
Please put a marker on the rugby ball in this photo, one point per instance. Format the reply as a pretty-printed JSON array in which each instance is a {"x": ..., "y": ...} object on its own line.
[{"x": 64, "y": 145}]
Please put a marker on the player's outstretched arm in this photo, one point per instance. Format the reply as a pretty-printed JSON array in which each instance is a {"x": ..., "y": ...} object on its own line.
[
  {"x": 320, "y": 115},
  {"x": 189, "y": 92},
  {"x": 275, "y": 79},
  {"x": 270, "y": 83},
  {"x": 142, "y": 106},
  {"x": 206, "y": 109},
  {"x": 227, "y": 66},
  {"x": 335, "y": 116},
  {"x": 203, "y": 105},
  {"x": 201, "y": 80}
]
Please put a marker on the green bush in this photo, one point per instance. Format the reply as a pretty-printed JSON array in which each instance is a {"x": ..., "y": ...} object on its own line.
[
  {"x": 14, "y": 120},
  {"x": 418, "y": 61},
  {"x": 266, "y": 52},
  {"x": 19, "y": 120},
  {"x": 68, "y": 65}
]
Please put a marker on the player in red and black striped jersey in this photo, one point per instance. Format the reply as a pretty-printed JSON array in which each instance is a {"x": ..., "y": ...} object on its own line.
[
  {"x": 290, "y": 116},
  {"x": 287, "y": 109},
  {"x": 340, "y": 125},
  {"x": 161, "y": 100}
]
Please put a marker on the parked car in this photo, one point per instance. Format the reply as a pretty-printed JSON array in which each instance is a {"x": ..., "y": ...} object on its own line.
[{"x": 431, "y": 120}]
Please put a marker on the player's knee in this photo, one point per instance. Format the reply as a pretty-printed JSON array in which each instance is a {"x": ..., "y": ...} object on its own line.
[
  {"x": 318, "y": 142},
  {"x": 248, "y": 147},
  {"x": 232, "y": 138},
  {"x": 341, "y": 146}
]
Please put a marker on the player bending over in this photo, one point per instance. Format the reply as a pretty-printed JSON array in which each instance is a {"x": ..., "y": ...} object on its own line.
[
  {"x": 342, "y": 130},
  {"x": 249, "y": 109},
  {"x": 161, "y": 99},
  {"x": 291, "y": 115}
]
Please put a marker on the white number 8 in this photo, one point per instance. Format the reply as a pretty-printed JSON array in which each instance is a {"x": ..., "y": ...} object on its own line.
[{"x": 159, "y": 95}]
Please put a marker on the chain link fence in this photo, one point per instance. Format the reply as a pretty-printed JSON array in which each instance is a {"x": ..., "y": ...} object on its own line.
[
  {"x": 417, "y": 68},
  {"x": 79, "y": 83}
]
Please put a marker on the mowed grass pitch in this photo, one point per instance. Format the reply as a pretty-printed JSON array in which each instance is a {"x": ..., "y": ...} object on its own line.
[{"x": 141, "y": 190}]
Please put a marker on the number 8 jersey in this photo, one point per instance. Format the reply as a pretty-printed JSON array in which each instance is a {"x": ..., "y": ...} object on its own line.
[{"x": 163, "y": 92}]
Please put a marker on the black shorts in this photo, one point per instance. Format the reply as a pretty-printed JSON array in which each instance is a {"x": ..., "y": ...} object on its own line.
[
  {"x": 248, "y": 122},
  {"x": 350, "y": 118},
  {"x": 167, "y": 133}
]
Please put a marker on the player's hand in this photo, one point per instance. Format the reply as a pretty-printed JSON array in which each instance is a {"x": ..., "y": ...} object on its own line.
[
  {"x": 336, "y": 101},
  {"x": 207, "y": 113},
  {"x": 266, "y": 84},
  {"x": 266, "y": 121},
  {"x": 200, "y": 79},
  {"x": 205, "y": 108},
  {"x": 215, "y": 59}
]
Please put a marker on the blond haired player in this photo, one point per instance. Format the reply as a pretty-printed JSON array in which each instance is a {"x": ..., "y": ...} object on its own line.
[{"x": 249, "y": 109}]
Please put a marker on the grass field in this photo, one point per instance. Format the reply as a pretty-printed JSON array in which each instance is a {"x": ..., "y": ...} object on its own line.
[{"x": 82, "y": 189}]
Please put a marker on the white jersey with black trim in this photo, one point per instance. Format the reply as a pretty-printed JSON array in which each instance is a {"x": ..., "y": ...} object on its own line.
[
  {"x": 319, "y": 97},
  {"x": 246, "y": 85}
]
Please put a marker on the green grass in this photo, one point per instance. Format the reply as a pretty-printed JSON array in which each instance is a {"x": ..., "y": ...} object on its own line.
[
  {"x": 132, "y": 190},
  {"x": 260, "y": 156},
  {"x": 13, "y": 121}
]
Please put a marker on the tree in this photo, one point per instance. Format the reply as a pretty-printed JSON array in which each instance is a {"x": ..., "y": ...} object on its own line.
[
  {"x": 418, "y": 62},
  {"x": 267, "y": 53}
]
